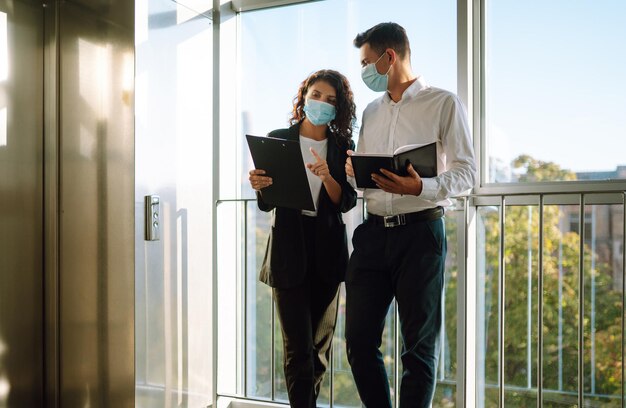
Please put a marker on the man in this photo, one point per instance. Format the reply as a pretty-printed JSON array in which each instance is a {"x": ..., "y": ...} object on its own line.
[{"x": 399, "y": 251}]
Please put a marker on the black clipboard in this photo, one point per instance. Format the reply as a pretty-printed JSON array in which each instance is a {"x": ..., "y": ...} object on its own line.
[{"x": 282, "y": 161}]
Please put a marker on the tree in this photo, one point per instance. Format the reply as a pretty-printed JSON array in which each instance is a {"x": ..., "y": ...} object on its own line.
[
  {"x": 537, "y": 170},
  {"x": 560, "y": 304}
]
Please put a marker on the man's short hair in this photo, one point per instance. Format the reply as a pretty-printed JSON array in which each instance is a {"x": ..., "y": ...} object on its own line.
[{"x": 383, "y": 36}]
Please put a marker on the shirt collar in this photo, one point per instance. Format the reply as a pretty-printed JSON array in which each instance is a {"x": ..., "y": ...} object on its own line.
[{"x": 410, "y": 92}]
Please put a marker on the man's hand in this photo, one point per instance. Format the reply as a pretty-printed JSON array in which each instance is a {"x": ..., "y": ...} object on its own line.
[
  {"x": 349, "y": 169},
  {"x": 392, "y": 183}
]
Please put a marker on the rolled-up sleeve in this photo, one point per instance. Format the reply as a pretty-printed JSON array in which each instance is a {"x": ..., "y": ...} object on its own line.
[{"x": 460, "y": 173}]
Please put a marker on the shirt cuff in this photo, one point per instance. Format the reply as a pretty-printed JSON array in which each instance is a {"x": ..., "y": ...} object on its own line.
[
  {"x": 351, "y": 181},
  {"x": 430, "y": 188}
]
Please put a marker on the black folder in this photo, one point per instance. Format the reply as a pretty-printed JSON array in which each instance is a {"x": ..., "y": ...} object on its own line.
[
  {"x": 423, "y": 158},
  {"x": 282, "y": 161}
]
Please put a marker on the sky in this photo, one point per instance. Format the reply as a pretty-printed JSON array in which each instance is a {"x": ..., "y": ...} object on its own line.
[
  {"x": 554, "y": 69},
  {"x": 555, "y": 81}
]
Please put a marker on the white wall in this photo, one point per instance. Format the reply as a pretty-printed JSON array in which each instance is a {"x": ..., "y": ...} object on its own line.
[{"x": 173, "y": 160}]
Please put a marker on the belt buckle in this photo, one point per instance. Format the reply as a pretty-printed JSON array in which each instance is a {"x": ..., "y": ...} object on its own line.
[{"x": 394, "y": 220}]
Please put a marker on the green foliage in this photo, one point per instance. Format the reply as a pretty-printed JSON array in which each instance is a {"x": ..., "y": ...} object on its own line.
[
  {"x": 537, "y": 170},
  {"x": 561, "y": 273}
]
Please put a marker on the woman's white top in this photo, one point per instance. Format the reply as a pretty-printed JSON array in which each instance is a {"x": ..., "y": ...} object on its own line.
[{"x": 315, "y": 183}]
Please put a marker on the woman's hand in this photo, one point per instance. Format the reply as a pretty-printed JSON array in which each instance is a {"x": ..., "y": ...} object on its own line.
[
  {"x": 320, "y": 167},
  {"x": 258, "y": 181},
  {"x": 349, "y": 169}
]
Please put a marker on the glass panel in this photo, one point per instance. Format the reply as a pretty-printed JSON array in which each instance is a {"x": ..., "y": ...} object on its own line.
[
  {"x": 345, "y": 393},
  {"x": 445, "y": 393},
  {"x": 344, "y": 389},
  {"x": 323, "y": 400},
  {"x": 228, "y": 215},
  {"x": 554, "y": 83},
  {"x": 266, "y": 52},
  {"x": 487, "y": 331},
  {"x": 280, "y": 383},
  {"x": 521, "y": 243},
  {"x": 258, "y": 341},
  {"x": 265, "y": 55},
  {"x": 603, "y": 280},
  {"x": 560, "y": 305},
  {"x": 603, "y": 304}
]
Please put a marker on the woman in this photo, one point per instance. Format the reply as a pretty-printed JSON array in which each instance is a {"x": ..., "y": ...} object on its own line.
[{"x": 307, "y": 252}]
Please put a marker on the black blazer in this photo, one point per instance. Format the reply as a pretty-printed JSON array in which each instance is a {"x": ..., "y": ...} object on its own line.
[{"x": 285, "y": 259}]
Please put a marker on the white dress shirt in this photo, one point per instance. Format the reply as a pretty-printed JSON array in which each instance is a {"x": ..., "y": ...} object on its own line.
[
  {"x": 424, "y": 115},
  {"x": 315, "y": 183}
]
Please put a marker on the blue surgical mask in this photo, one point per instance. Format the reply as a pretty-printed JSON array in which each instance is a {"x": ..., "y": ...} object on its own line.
[
  {"x": 375, "y": 81},
  {"x": 318, "y": 112}
]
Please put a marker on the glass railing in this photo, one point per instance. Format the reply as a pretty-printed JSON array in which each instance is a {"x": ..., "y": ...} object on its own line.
[
  {"x": 549, "y": 328},
  {"x": 258, "y": 373},
  {"x": 529, "y": 252}
]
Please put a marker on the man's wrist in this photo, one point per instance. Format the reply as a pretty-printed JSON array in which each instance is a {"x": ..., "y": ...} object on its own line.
[{"x": 420, "y": 187}]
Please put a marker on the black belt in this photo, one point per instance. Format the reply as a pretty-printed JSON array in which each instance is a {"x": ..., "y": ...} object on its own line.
[{"x": 408, "y": 218}]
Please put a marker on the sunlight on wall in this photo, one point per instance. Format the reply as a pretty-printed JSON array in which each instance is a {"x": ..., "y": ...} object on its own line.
[
  {"x": 4, "y": 48},
  {"x": 3, "y": 127},
  {"x": 4, "y": 75},
  {"x": 128, "y": 74},
  {"x": 86, "y": 142},
  {"x": 5, "y": 387},
  {"x": 94, "y": 72}
]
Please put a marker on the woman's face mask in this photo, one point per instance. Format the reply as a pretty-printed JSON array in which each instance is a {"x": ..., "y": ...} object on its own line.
[
  {"x": 375, "y": 81},
  {"x": 318, "y": 112}
]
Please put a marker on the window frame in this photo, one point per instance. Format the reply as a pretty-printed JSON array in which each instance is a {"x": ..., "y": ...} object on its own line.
[{"x": 478, "y": 116}]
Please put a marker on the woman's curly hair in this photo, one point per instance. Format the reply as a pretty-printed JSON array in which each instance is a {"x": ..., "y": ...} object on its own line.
[{"x": 345, "y": 115}]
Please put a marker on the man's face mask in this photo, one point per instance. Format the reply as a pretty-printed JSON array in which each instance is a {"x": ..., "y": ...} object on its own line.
[{"x": 375, "y": 81}]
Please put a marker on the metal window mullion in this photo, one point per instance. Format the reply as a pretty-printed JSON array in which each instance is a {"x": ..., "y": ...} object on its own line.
[
  {"x": 560, "y": 316},
  {"x": 463, "y": 318},
  {"x": 479, "y": 93},
  {"x": 592, "y": 309},
  {"x": 242, "y": 6},
  {"x": 442, "y": 338},
  {"x": 581, "y": 298},
  {"x": 623, "y": 288},
  {"x": 215, "y": 195},
  {"x": 272, "y": 354},
  {"x": 245, "y": 298},
  {"x": 502, "y": 286},
  {"x": 332, "y": 374},
  {"x": 529, "y": 301},
  {"x": 540, "y": 309},
  {"x": 363, "y": 210}
]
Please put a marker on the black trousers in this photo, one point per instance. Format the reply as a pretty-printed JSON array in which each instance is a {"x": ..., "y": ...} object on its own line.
[
  {"x": 307, "y": 314},
  {"x": 405, "y": 262}
]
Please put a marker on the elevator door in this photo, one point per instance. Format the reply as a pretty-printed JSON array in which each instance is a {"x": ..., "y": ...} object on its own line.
[
  {"x": 21, "y": 204},
  {"x": 96, "y": 212},
  {"x": 66, "y": 203}
]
